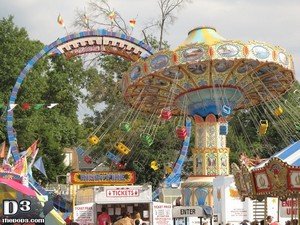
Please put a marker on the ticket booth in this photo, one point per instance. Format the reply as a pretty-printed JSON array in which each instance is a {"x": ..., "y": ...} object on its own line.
[
  {"x": 119, "y": 199},
  {"x": 113, "y": 190}
]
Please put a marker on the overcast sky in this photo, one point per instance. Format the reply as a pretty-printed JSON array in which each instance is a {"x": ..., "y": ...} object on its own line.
[{"x": 273, "y": 21}]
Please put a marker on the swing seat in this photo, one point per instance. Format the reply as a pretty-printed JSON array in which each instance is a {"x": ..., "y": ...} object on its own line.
[
  {"x": 154, "y": 165},
  {"x": 125, "y": 126},
  {"x": 226, "y": 110},
  {"x": 263, "y": 127},
  {"x": 87, "y": 159},
  {"x": 181, "y": 133},
  {"x": 278, "y": 111},
  {"x": 116, "y": 159},
  {"x": 123, "y": 149},
  {"x": 121, "y": 165},
  {"x": 223, "y": 130},
  {"x": 166, "y": 114},
  {"x": 93, "y": 140},
  {"x": 138, "y": 164},
  {"x": 168, "y": 169},
  {"x": 147, "y": 139}
]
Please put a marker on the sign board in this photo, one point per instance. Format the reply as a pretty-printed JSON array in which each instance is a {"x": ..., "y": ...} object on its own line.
[
  {"x": 103, "y": 177},
  {"x": 188, "y": 211},
  {"x": 85, "y": 214},
  {"x": 123, "y": 194},
  {"x": 285, "y": 208},
  {"x": 227, "y": 204},
  {"x": 162, "y": 213},
  {"x": 235, "y": 209}
]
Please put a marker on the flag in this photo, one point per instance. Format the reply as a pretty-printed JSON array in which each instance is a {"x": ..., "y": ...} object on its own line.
[
  {"x": 60, "y": 20},
  {"x": 112, "y": 16},
  {"x": 132, "y": 23},
  {"x": 12, "y": 106},
  {"x": 40, "y": 166},
  {"x": 32, "y": 149},
  {"x": 21, "y": 166},
  {"x": 52, "y": 105},
  {"x": 25, "y": 106},
  {"x": 33, "y": 157},
  {"x": 8, "y": 155},
  {"x": 85, "y": 19},
  {"x": 2, "y": 150},
  {"x": 38, "y": 106}
]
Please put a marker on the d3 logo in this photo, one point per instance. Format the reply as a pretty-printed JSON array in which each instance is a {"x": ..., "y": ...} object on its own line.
[{"x": 11, "y": 207}]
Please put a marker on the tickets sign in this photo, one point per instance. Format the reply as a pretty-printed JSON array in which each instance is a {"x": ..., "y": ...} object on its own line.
[
  {"x": 103, "y": 177},
  {"x": 122, "y": 193}
]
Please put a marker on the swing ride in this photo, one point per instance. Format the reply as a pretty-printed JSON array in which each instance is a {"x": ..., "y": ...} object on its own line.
[
  {"x": 206, "y": 77},
  {"x": 209, "y": 78}
]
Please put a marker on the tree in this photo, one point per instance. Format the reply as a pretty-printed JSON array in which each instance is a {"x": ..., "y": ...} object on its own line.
[
  {"x": 52, "y": 80},
  {"x": 102, "y": 14},
  {"x": 167, "y": 8}
]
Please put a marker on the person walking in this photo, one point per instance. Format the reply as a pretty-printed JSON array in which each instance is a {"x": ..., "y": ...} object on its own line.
[{"x": 126, "y": 220}]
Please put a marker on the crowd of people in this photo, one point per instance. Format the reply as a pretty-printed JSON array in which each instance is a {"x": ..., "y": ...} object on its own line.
[
  {"x": 268, "y": 221},
  {"x": 104, "y": 219},
  {"x": 126, "y": 219}
]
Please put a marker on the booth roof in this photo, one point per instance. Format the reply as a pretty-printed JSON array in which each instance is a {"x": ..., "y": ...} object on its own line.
[
  {"x": 173, "y": 192},
  {"x": 290, "y": 155},
  {"x": 198, "y": 181}
]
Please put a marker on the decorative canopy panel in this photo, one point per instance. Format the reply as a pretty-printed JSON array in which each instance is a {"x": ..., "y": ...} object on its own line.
[
  {"x": 273, "y": 178},
  {"x": 207, "y": 72}
]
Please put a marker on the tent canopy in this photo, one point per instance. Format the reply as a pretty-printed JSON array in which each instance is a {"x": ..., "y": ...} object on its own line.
[{"x": 289, "y": 155}]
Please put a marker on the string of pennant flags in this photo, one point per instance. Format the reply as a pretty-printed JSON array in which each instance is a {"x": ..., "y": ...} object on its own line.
[
  {"x": 27, "y": 106},
  {"x": 21, "y": 166},
  {"x": 112, "y": 16}
]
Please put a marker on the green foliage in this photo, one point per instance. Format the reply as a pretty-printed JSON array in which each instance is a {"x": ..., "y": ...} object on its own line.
[
  {"x": 153, "y": 42},
  {"x": 52, "y": 80},
  {"x": 243, "y": 127}
]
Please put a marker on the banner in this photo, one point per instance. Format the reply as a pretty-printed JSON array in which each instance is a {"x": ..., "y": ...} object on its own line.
[{"x": 103, "y": 177}]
